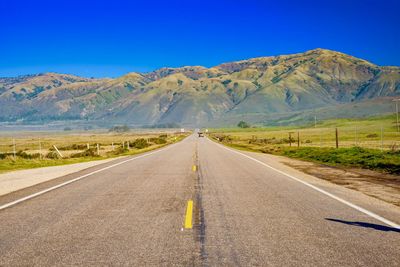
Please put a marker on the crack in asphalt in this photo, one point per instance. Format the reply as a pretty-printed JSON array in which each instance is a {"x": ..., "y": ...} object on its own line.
[{"x": 200, "y": 223}]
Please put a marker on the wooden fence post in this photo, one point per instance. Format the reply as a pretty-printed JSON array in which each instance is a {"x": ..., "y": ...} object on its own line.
[
  {"x": 58, "y": 151},
  {"x": 337, "y": 138}
]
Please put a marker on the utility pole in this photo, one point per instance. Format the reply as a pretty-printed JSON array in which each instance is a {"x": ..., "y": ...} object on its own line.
[{"x": 397, "y": 113}]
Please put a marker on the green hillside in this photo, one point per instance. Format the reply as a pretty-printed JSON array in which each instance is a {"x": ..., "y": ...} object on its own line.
[{"x": 285, "y": 89}]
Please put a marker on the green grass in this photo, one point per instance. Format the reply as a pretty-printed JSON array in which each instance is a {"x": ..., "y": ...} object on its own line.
[
  {"x": 387, "y": 121},
  {"x": 360, "y": 142},
  {"x": 22, "y": 164},
  {"x": 350, "y": 157},
  {"x": 374, "y": 133},
  {"x": 386, "y": 161},
  {"x": 11, "y": 164}
]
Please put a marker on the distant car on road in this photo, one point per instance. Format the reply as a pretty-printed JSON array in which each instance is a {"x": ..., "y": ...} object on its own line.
[{"x": 201, "y": 134}]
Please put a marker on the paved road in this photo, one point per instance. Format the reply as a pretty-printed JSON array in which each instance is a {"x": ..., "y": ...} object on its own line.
[{"x": 245, "y": 214}]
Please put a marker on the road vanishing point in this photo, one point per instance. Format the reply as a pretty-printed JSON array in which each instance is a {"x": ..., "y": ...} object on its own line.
[{"x": 195, "y": 203}]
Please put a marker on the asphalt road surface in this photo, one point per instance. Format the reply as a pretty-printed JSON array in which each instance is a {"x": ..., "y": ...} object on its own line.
[{"x": 245, "y": 213}]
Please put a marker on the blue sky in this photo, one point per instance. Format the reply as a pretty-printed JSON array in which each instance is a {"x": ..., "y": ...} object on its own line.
[{"x": 110, "y": 38}]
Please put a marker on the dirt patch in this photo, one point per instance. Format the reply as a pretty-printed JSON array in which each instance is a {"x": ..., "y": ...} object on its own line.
[{"x": 383, "y": 186}]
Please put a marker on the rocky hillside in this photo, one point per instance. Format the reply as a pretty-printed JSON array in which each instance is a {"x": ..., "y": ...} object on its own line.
[{"x": 197, "y": 95}]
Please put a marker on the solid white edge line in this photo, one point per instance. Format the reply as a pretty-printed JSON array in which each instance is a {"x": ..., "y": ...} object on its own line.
[
  {"x": 15, "y": 202},
  {"x": 354, "y": 206}
]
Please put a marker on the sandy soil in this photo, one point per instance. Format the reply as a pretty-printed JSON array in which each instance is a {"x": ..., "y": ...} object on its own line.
[{"x": 383, "y": 186}]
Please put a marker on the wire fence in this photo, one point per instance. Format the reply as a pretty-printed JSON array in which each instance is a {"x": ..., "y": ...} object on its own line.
[
  {"x": 67, "y": 146},
  {"x": 41, "y": 148},
  {"x": 373, "y": 137}
]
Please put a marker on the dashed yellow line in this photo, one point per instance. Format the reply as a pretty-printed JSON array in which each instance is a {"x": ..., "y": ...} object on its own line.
[
  {"x": 189, "y": 215},
  {"x": 194, "y": 168}
]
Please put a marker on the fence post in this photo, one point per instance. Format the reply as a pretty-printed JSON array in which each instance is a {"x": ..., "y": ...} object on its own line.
[
  {"x": 98, "y": 150},
  {"x": 381, "y": 138},
  {"x": 337, "y": 138},
  {"x": 127, "y": 144},
  {"x": 58, "y": 151},
  {"x": 14, "y": 150},
  {"x": 290, "y": 139},
  {"x": 88, "y": 147}
]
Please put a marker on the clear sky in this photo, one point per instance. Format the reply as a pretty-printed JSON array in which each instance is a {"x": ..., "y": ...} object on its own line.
[{"x": 110, "y": 38}]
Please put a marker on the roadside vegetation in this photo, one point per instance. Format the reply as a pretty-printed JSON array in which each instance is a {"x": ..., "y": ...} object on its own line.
[
  {"x": 27, "y": 152},
  {"x": 372, "y": 143},
  {"x": 243, "y": 124}
]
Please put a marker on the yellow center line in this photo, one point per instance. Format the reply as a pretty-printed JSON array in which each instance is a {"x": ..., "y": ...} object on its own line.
[
  {"x": 194, "y": 168},
  {"x": 189, "y": 214}
]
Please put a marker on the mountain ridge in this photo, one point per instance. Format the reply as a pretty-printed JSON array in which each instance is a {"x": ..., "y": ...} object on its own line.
[{"x": 193, "y": 95}]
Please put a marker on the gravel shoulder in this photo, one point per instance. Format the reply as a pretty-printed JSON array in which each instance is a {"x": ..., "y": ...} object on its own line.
[{"x": 380, "y": 185}]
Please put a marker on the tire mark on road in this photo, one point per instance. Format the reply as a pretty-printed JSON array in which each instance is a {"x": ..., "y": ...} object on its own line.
[{"x": 200, "y": 223}]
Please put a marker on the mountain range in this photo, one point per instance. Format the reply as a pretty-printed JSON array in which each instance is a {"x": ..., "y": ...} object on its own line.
[{"x": 259, "y": 90}]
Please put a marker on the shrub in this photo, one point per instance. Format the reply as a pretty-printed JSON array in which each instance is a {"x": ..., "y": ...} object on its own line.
[
  {"x": 5, "y": 155},
  {"x": 223, "y": 138},
  {"x": 243, "y": 124},
  {"x": 139, "y": 143},
  {"x": 158, "y": 140},
  {"x": 226, "y": 82},
  {"x": 24, "y": 155},
  {"x": 118, "y": 150},
  {"x": 52, "y": 155},
  {"x": 73, "y": 147},
  {"x": 91, "y": 152}
]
